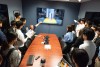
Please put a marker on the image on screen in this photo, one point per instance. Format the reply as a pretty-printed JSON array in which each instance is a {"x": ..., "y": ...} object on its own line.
[{"x": 50, "y": 16}]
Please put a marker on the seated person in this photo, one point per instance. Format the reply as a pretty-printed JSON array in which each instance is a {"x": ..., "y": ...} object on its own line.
[
  {"x": 68, "y": 37},
  {"x": 80, "y": 57},
  {"x": 15, "y": 56},
  {"x": 31, "y": 32}
]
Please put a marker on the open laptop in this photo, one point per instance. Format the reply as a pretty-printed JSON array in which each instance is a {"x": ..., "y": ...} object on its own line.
[{"x": 64, "y": 63}]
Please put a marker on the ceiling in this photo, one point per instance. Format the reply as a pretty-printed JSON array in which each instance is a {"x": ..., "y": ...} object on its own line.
[{"x": 69, "y": 0}]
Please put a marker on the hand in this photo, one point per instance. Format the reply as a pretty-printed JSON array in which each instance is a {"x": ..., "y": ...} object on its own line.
[{"x": 40, "y": 22}]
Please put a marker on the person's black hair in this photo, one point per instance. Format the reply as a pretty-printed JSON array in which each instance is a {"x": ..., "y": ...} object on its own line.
[
  {"x": 83, "y": 19},
  {"x": 19, "y": 24},
  {"x": 98, "y": 29},
  {"x": 1, "y": 21},
  {"x": 80, "y": 57},
  {"x": 73, "y": 27},
  {"x": 17, "y": 15},
  {"x": 13, "y": 23},
  {"x": 89, "y": 33},
  {"x": 11, "y": 36},
  {"x": 79, "y": 20},
  {"x": 22, "y": 19},
  {"x": 69, "y": 29},
  {"x": 94, "y": 27},
  {"x": 89, "y": 23}
]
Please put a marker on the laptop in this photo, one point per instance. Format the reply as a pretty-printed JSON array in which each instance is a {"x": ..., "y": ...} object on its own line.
[{"x": 64, "y": 63}]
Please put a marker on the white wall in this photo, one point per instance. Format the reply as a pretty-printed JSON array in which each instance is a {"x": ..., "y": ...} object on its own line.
[
  {"x": 92, "y": 6},
  {"x": 12, "y": 5}
]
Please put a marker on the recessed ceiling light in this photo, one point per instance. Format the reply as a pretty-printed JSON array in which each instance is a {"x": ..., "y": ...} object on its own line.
[{"x": 79, "y": 0}]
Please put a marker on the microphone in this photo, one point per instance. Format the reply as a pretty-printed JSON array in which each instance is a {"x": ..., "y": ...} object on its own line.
[{"x": 46, "y": 39}]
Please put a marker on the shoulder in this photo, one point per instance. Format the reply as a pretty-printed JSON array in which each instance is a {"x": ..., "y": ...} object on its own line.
[
  {"x": 16, "y": 53},
  {"x": 82, "y": 46}
]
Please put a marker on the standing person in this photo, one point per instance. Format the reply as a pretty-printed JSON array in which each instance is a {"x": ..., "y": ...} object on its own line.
[
  {"x": 88, "y": 45},
  {"x": 17, "y": 16},
  {"x": 21, "y": 39},
  {"x": 24, "y": 27},
  {"x": 10, "y": 52},
  {"x": 80, "y": 26},
  {"x": 3, "y": 38},
  {"x": 13, "y": 26},
  {"x": 80, "y": 57}
]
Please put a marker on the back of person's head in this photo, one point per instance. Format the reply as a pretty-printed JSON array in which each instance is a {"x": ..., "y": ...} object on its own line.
[
  {"x": 17, "y": 15},
  {"x": 81, "y": 32},
  {"x": 73, "y": 27},
  {"x": 83, "y": 20},
  {"x": 94, "y": 27},
  {"x": 11, "y": 36},
  {"x": 13, "y": 23},
  {"x": 23, "y": 19},
  {"x": 88, "y": 23},
  {"x": 89, "y": 33},
  {"x": 19, "y": 24},
  {"x": 80, "y": 57},
  {"x": 69, "y": 29}
]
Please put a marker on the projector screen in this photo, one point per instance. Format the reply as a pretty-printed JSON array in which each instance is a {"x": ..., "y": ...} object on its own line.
[{"x": 50, "y": 16}]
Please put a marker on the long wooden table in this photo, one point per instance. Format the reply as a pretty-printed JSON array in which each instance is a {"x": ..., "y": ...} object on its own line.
[{"x": 52, "y": 56}]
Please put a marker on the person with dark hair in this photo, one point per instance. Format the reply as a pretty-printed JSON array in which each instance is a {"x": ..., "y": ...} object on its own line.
[
  {"x": 73, "y": 28},
  {"x": 22, "y": 39},
  {"x": 80, "y": 57},
  {"x": 88, "y": 45},
  {"x": 13, "y": 26},
  {"x": 80, "y": 26},
  {"x": 88, "y": 23},
  {"x": 17, "y": 16},
  {"x": 68, "y": 37},
  {"x": 94, "y": 27},
  {"x": 15, "y": 55},
  {"x": 24, "y": 27},
  {"x": 3, "y": 38},
  {"x": 78, "y": 40}
]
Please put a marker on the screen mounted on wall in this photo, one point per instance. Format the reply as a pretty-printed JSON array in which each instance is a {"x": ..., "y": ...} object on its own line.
[{"x": 50, "y": 16}]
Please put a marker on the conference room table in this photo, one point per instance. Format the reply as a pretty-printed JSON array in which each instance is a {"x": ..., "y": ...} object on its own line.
[{"x": 52, "y": 56}]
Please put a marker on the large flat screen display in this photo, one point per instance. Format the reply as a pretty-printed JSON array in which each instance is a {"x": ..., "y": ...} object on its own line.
[{"x": 50, "y": 16}]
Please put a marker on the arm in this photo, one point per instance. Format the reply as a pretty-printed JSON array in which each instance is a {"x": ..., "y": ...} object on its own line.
[
  {"x": 38, "y": 24},
  {"x": 65, "y": 39}
]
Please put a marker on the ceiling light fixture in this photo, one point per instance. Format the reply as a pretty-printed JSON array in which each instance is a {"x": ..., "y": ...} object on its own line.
[{"x": 79, "y": 0}]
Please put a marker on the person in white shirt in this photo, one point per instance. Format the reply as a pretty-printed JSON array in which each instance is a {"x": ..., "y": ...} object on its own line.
[
  {"x": 88, "y": 45},
  {"x": 31, "y": 31},
  {"x": 21, "y": 37},
  {"x": 80, "y": 26},
  {"x": 15, "y": 56}
]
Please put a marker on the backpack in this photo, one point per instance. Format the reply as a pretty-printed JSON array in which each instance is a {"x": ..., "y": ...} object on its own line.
[{"x": 6, "y": 60}]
